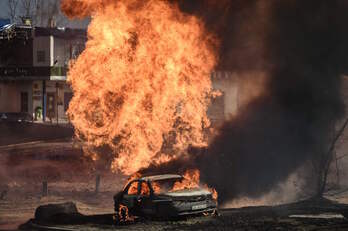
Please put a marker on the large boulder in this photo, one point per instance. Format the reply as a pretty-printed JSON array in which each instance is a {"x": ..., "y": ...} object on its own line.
[{"x": 58, "y": 213}]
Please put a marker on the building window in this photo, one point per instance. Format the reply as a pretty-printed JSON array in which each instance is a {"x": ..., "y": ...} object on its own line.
[{"x": 41, "y": 56}]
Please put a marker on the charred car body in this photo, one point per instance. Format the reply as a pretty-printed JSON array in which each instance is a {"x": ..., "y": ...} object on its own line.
[{"x": 153, "y": 196}]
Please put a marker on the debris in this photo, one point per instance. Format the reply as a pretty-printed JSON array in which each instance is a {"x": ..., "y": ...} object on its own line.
[{"x": 53, "y": 212}]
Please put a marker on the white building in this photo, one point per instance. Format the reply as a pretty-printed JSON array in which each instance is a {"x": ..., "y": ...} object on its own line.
[
  {"x": 236, "y": 89},
  {"x": 33, "y": 66}
]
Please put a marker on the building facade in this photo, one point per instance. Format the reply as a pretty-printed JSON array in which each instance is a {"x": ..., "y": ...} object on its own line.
[{"x": 33, "y": 67}]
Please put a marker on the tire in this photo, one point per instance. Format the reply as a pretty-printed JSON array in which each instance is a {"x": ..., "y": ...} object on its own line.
[{"x": 121, "y": 214}]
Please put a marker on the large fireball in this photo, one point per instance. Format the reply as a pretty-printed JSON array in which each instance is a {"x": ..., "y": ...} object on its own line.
[{"x": 144, "y": 75}]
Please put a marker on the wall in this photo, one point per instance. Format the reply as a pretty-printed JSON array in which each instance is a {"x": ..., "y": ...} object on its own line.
[
  {"x": 10, "y": 94},
  {"x": 226, "y": 82},
  {"x": 237, "y": 90},
  {"x": 63, "y": 88},
  {"x": 42, "y": 43},
  {"x": 16, "y": 52}
]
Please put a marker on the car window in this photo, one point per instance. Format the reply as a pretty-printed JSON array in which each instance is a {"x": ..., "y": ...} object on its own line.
[
  {"x": 164, "y": 186},
  {"x": 133, "y": 188},
  {"x": 145, "y": 190}
]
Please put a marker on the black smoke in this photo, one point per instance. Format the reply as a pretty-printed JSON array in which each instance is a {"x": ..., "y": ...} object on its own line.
[{"x": 303, "y": 46}]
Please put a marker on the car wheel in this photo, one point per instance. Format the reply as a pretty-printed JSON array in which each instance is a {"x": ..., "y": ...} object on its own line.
[
  {"x": 212, "y": 213},
  {"x": 215, "y": 213},
  {"x": 121, "y": 213}
]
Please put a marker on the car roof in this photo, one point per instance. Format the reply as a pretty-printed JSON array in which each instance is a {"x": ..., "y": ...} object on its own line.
[{"x": 161, "y": 177}]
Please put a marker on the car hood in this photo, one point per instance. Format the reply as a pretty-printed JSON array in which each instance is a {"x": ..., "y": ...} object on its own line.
[{"x": 188, "y": 193}]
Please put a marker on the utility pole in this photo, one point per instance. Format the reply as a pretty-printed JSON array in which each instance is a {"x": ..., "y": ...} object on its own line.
[{"x": 57, "y": 86}]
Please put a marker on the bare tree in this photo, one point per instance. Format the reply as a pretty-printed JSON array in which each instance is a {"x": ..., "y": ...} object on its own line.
[
  {"x": 326, "y": 160},
  {"x": 27, "y": 6},
  {"x": 42, "y": 12},
  {"x": 53, "y": 12},
  {"x": 39, "y": 12},
  {"x": 47, "y": 12},
  {"x": 12, "y": 6}
]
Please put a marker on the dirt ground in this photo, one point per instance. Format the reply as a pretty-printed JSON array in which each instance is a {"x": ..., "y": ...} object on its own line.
[
  {"x": 15, "y": 133},
  {"x": 252, "y": 218},
  {"x": 69, "y": 174},
  {"x": 226, "y": 222},
  {"x": 71, "y": 177}
]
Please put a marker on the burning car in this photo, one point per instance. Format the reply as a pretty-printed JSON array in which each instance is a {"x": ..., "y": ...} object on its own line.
[{"x": 163, "y": 196}]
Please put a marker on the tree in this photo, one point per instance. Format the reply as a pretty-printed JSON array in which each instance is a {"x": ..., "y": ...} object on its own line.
[
  {"x": 28, "y": 6},
  {"x": 49, "y": 12},
  {"x": 12, "y": 7},
  {"x": 42, "y": 12},
  {"x": 46, "y": 12},
  {"x": 326, "y": 160}
]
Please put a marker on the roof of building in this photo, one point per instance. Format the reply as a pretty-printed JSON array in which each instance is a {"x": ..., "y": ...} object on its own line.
[
  {"x": 14, "y": 31},
  {"x": 9, "y": 31},
  {"x": 60, "y": 32},
  {"x": 161, "y": 177}
]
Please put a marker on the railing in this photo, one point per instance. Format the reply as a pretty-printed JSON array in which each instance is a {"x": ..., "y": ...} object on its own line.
[
  {"x": 58, "y": 71},
  {"x": 22, "y": 73}
]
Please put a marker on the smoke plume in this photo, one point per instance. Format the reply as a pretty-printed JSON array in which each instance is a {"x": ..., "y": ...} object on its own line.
[{"x": 302, "y": 46}]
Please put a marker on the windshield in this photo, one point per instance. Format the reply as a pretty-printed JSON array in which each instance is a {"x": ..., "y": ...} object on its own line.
[{"x": 171, "y": 185}]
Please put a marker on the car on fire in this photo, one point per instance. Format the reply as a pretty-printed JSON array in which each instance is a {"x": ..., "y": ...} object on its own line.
[{"x": 153, "y": 196}]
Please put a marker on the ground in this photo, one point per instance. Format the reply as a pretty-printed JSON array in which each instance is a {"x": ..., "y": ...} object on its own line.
[
  {"x": 255, "y": 218},
  {"x": 26, "y": 161}
]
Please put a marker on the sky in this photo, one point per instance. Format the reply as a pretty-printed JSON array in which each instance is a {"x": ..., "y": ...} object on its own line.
[{"x": 3, "y": 9}]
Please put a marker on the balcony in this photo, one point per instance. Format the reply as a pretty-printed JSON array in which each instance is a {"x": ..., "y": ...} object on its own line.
[{"x": 33, "y": 73}]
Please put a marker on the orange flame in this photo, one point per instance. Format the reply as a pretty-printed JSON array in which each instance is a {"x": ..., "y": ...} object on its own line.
[
  {"x": 133, "y": 189},
  {"x": 213, "y": 191},
  {"x": 191, "y": 180},
  {"x": 123, "y": 214},
  {"x": 145, "y": 73},
  {"x": 156, "y": 188}
]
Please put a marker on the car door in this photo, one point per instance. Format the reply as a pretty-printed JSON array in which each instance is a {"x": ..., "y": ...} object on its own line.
[
  {"x": 146, "y": 205},
  {"x": 130, "y": 196}
]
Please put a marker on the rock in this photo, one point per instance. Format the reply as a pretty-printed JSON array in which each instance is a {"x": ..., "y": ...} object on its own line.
[
  {"x": 345, "y": 213},
  {"x": 60, "y": 213}
]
